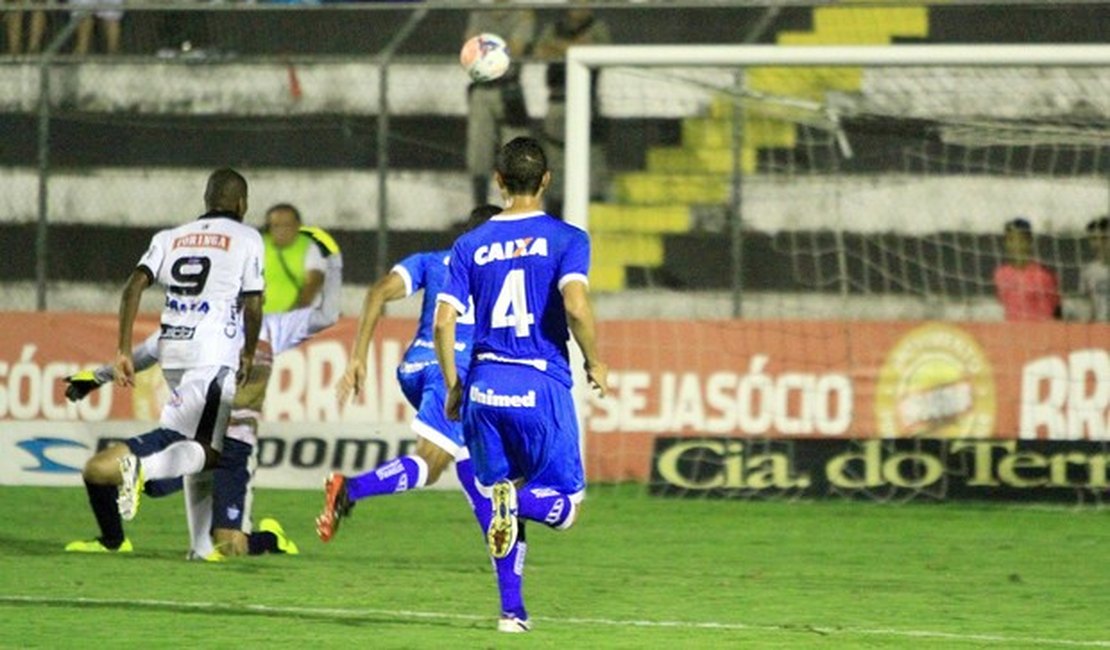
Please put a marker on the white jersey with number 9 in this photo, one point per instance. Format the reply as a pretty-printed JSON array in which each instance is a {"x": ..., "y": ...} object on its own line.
[{"x": 205, "y": 266}]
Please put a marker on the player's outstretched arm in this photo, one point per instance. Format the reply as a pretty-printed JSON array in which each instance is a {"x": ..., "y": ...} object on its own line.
[
  {"x": 124, "y": 367},
  {"x": 387, "y": 289},
  {"x": 580, "y": 319},
  {"x": 444, "y": 334},
  {"x": 80, "y": 384}
]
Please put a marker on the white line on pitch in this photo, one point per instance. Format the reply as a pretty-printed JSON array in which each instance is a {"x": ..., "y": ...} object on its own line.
[{"x": 220, "y": 608}]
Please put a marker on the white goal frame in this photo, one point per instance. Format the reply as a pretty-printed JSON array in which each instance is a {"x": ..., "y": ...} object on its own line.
[{"x": 581, "y": 59}]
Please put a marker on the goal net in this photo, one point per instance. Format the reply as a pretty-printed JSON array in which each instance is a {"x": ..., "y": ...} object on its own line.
[{"x": 798, "y": 244}]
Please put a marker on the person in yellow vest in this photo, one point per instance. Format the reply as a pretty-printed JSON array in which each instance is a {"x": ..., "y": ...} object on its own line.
[{"x": 294, "y": 264}]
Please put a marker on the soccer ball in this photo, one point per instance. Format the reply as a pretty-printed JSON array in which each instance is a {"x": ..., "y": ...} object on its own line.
[{"x": 485, "y": 57}]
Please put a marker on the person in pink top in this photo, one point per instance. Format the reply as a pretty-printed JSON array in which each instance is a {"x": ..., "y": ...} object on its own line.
[{"x": 1027, "y": 290}]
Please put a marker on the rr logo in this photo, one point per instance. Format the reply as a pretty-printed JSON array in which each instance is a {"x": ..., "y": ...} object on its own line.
[{"x": 38, "y": 447}]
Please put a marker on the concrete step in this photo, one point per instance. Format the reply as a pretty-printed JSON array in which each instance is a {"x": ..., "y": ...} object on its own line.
[
  {"x": 636, "y": 249},
  {"x": 606, "y": 278},
  {"x": 676, "y": 160},
  {"x": 648, "y": 188},
  {"x": 624, "y": 218}
]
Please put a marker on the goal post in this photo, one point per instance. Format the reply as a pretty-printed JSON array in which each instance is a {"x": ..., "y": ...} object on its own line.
[{"x": 584, "y": 58}]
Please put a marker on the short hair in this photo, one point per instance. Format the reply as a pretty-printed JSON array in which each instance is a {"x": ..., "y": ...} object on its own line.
[
  {"x": 1020, "y": 224},
  {"x": 224, "y": 190},
  {"x": 1100, "y": 225},
  {"x": 288, "y": 207},
  {"x": 477, "y": 217},
  {"x": 522, "y": 164}
]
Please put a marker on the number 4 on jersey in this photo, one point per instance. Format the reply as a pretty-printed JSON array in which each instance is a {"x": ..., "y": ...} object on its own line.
[{"x": 513, "y": 298}]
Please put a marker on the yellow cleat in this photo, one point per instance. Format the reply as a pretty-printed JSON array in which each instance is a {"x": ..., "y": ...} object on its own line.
[
  {"x": 284, "y": 544},
  {"x": 96, "y": 546},
  {"x": 214, "y": 556}
]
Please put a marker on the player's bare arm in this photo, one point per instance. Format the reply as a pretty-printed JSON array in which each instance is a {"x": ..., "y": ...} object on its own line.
[
  {"x": 252, "y": 325},
  {"x": 124, "y": 366},
  {"x": 580, "y": 319},
  {"x": 446, "y": 317},
  {"x": 80, "y": 384},
  {"x": 387, "y": 289}
]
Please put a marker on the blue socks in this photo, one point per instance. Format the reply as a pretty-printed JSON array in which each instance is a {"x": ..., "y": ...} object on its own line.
[
  {"x": 546, "y": 506},
  {"x": 510, "y": 577},
  {"x": 398, "y": 475},
  {"x": 479, "y": 503}
]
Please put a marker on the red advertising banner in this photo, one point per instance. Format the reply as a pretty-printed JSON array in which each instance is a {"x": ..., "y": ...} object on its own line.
[
  {"x": 766, "y": 379},
  {"x": 845, "y": 379}
]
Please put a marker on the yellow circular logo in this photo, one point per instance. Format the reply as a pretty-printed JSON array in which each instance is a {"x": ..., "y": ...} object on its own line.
[{"x": 936, "y": 382}]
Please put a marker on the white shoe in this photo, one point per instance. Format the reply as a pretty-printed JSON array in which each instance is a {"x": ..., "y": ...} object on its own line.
[
  {"x": 513, "y": 625},
  {"x": 131, "y": 489},
  {"x": 503, "y": 526}
]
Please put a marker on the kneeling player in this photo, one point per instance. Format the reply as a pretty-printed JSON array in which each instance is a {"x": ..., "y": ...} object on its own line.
[{"x": 219, "y": 503}]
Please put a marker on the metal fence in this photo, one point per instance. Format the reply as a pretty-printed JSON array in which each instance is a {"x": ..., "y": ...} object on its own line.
[{"x": 357, "y": 113}]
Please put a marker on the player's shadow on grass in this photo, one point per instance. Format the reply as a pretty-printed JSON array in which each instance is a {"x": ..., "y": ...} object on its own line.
[
  {"x": 10, "y": 545},
  {"x": 351, "y": 618}
]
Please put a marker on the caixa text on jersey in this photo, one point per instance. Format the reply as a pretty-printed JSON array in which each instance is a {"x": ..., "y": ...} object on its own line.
[{"x": 185, "y": 306}]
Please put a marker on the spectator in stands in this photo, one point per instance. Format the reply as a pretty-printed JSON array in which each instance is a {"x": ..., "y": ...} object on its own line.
[
  {"x": 577, "y": 26},
  {"x": 37, "y": 27},
  {"x": 496, "y": 112},
  {"x": 294, "y": 264},
  {"x": 1027, "y": 290},
  {"x": 107, "y": 23},
  {"x": 1094, "y": 277}
]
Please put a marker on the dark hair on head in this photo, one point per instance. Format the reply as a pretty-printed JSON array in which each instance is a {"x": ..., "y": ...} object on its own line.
[
  {"x": 477, "y": 217},
  {"x": 1099, "y": 225},
  {"x": 522, "y": 164},
  {"x": 1020, "y": 224},
  {"x": 289, "y": 207},
  {"x": 225, "y": 188}
]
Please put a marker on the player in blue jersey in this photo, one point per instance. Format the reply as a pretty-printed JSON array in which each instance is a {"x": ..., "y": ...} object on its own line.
[
  {"x": 526, "y": 273},
  {"x": 439, "y": 440}
]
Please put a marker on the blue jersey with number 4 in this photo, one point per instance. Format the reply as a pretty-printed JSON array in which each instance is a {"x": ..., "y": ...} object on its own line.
[
  {"x": 428, "y": 271},
  {"x": 514, "y": 267}
]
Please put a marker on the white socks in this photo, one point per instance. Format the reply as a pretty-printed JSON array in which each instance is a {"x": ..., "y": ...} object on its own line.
[
  {"x": 179, "y": 459},
  {"x": 198, "y": 512}
]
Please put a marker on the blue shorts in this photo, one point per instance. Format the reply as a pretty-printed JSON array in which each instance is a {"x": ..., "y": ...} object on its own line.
[
  {"x": 424, "y": 389},
  {"x": 520, "y": 423}
]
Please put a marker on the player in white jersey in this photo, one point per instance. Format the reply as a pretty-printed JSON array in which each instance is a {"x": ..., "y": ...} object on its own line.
[
  {"x": 212, "y": 271},
  {"x": 224, "y": 497},
  {"x": 1094, "y": 277}
]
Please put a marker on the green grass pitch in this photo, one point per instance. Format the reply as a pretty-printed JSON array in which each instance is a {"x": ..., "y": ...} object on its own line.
[{"x": 637, "y": 572}]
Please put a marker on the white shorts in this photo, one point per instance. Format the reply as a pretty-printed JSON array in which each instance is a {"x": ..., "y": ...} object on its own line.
[{"x": 199, "y": 403}]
